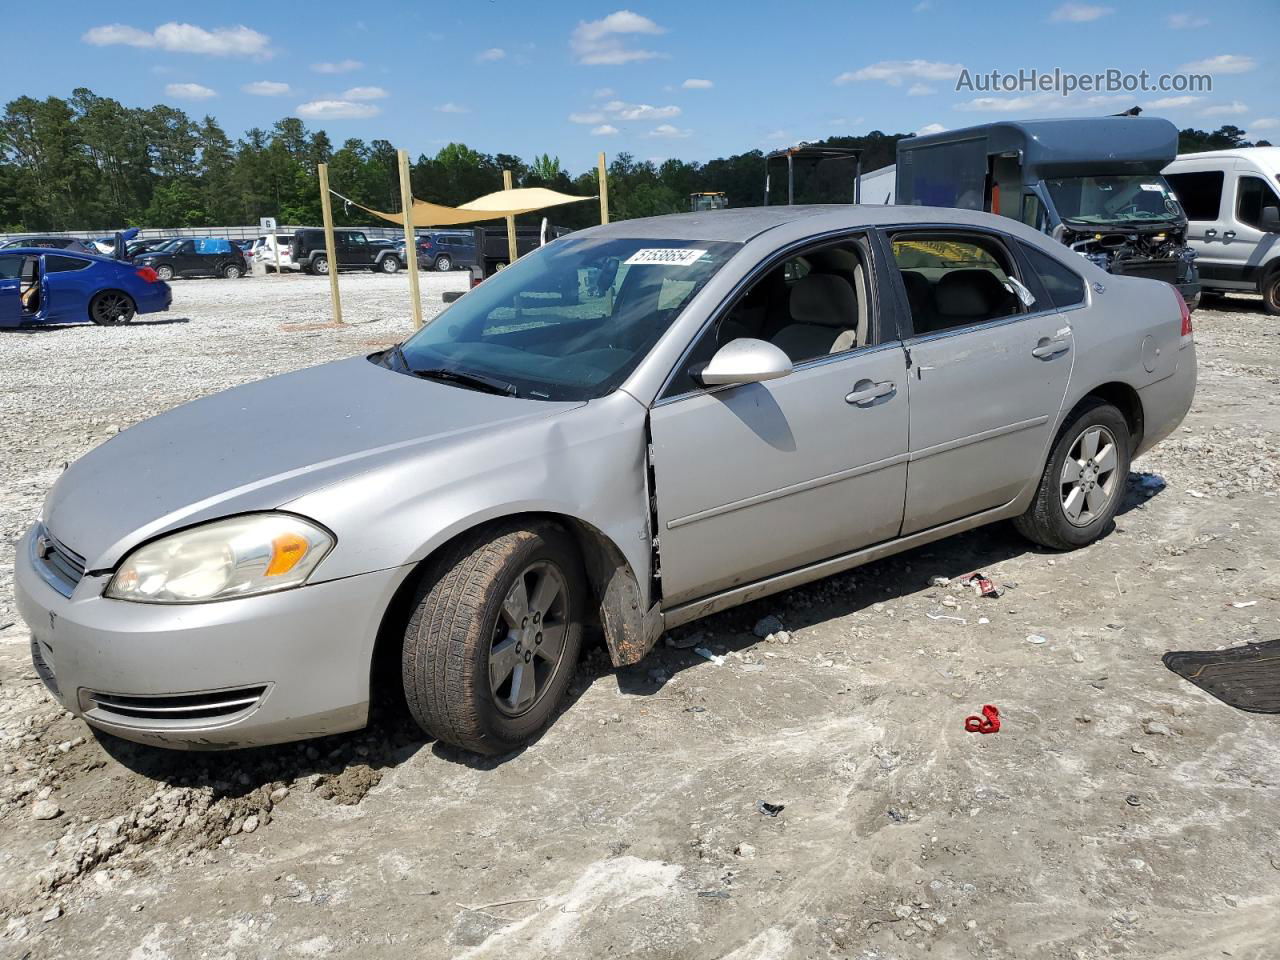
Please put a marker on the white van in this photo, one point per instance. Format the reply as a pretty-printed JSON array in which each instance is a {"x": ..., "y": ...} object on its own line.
[
  {"x": 1232, "y": 201},
  {"x": 264, "y": 251}
]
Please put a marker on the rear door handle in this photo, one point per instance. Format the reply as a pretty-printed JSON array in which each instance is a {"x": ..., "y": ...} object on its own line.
[
  {"x": 1230, "y": 234},
  {"x": 1210, "y": 233},
  {"x": 866, "y": 393},
  {"x": 1047, "y": 348}
]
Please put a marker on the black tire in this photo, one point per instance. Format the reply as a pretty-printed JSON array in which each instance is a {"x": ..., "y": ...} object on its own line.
[
  {"x": 232, "y": 272},
  {"x": 389, "y": 265},
  {"x": 1270, "y": 290},
  {"x": 1046, "y": 520},
  {"x": 444, "y": 263},
  {"x": 164, "y": 272},
  {"x": 320, "y": 266},
  {"x": 461, "y": 618},
  {"x": 111, "y": 307}
]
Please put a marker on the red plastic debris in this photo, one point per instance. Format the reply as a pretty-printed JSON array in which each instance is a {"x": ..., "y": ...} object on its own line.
[{"x": 989, "y": 722}]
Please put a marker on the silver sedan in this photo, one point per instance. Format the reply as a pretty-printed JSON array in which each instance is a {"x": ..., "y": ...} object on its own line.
[{"x": 636, "y": 426}]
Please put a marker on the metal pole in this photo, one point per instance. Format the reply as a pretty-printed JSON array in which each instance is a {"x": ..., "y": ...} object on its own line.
[
  {"x": 330, "y": 248},
  {"x": 791, "y": 182},
  {"x": 512, "y": 252},
  {"x": 604, "y": 191},
  {"x": 857, "y": 179},
  {"x": 410, "y": 241},
  {"x": 766, "y": 183}
]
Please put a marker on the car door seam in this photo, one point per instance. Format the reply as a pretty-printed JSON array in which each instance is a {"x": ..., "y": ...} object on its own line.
[{"x": 780, "y": 492}]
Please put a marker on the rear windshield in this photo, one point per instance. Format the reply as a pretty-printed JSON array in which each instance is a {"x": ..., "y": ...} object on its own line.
[{"x": 571, "y": 320}]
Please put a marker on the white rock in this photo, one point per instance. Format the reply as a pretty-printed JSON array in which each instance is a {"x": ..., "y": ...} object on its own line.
[{"x": 45, "y": 810}]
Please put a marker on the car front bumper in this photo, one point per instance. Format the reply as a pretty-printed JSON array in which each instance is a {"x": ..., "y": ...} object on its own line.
[{"x": 235, "y": 673}]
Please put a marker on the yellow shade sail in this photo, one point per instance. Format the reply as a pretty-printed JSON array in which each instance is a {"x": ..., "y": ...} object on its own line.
[{"x": 492, "y": 206}]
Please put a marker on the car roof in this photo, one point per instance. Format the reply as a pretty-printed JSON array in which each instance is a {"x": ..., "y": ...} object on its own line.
[
  {"x": 60, "y": 252},
  {"x": 738, "y": 225}
]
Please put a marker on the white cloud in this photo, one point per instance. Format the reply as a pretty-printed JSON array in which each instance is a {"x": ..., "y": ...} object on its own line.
[
  {"x": 922, "y": 7},
  {"x": 452, "y": 107},
  {"x": 641, "y": 111},
  {"x": 1185, "y": 21},
  {"x": 266, "y": 88},
  {"x": 920, "y": 90},
  {"x": 184, "y": 38},
  {"x": 365, "y": 93},
  {"x": 893, "y": 72},
  {"x": 603, "y": 93},
  {"x": 337, "y": 110},
  {"x": 189, "y": 91},
  {"x": 1000, "y": 104},
  {"x": 1223, "y": 63},
  {"x": 490, "y": 55},
  {"x": 337, "y": 66},
  {"x": 1169, "y": 103},
  {"x": 593, "y": 117},
  {"x": 929, "y": 128},
  {"x": 604, "y": 130},
  {"x": 1233, "y": 109},
  {"x": 1264, "y": 123},
  {"x": 602, "y": 42},
  {"x": 1079, "y": 13},
  {"x": 667, "y": 132},
  {"x": 693, "y": 83}
]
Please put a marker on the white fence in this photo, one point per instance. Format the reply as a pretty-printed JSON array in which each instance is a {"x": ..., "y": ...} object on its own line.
[{"x": 231, "y": 233}]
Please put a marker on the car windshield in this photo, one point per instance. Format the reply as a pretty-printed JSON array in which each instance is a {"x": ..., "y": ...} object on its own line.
[
  {"x": 1104, "y": 200},
  {"x": 569, "y": 321}
]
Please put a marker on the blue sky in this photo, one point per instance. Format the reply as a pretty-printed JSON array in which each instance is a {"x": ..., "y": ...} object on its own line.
[{"x": 657, "y": 79}]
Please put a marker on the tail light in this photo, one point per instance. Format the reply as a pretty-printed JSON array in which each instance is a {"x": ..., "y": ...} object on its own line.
[
  {"x": 1186, "y": 313},
  {"x": 148, "y": 275}
]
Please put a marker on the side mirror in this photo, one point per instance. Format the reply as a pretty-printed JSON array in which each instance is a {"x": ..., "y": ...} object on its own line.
[
  {"x": 745, "y": 361},
  {"x": 1270, "y": 221}
]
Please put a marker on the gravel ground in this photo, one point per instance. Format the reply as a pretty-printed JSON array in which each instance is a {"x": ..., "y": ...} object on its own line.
[{"x": 1118, "y": 812}]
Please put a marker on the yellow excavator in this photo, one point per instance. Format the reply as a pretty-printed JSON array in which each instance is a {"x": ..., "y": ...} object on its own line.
[{"x": 699, "y": 202}]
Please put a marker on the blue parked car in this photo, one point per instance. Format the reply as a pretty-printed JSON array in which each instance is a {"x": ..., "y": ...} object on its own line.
[{"x": 41, "y": 286}]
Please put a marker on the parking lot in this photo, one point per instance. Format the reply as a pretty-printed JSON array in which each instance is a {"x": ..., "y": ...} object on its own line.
[{"x": 1119, "y": 811}]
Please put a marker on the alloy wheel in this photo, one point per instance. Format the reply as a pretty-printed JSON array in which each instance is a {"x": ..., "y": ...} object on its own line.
[
  {"x": 528, "y": 642},
  {"x": 111, "y": 308},
  {"x": 1089, "y": 479}
]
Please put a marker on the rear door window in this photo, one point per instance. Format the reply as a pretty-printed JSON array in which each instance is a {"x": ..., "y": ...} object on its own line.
[
  {"x": 954, "y": 280},
  {"x": 1199, "y": 193}
]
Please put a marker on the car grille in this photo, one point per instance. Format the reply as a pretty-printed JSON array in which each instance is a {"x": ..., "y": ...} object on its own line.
[
  {"x": 172, "y": 711},
  {"x": 61, "y": 566},
  {"x": 1166, "y": 270}
]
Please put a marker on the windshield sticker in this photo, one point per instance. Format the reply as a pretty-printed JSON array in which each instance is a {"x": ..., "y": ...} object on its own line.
[
  {"x": 673, "y": 257},
  {"x": 1153, "y": 187}
]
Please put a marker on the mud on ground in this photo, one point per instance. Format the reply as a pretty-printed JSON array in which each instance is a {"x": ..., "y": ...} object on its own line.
[{"x": 1118, "y": 812}]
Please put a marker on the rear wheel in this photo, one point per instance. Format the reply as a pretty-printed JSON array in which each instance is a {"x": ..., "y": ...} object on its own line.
[
  {"x": 320, "y": 265},
  {"x": 444, "y": 263},
  {"x": 1271, "y": 292},
  {"x": 493, "y": 640},
  {"x": 232, "y": 272},
  {"x": 164, "y": 272},
  {"x": 1083, "y": 482},
  {"x": 389, "y": 265},
  {"x": 111, "y": 307}
]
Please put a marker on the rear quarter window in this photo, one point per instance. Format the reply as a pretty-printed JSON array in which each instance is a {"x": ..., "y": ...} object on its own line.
[
  {"x": 1064, "y": 286},
  {"x": 57, "y": 263}
]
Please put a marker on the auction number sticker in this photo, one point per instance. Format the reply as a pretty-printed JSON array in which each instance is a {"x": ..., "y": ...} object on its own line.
[{"x": 665, "y": 257}]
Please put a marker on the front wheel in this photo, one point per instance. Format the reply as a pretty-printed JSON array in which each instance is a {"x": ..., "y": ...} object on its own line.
[
  {"x": 1083, "y": 482},
  {"x": 111, "y": 307},
  {"x": 494, "y": 637},
  {"x": 443, "y": 263},
  {"x": 1271, "y": 292}
]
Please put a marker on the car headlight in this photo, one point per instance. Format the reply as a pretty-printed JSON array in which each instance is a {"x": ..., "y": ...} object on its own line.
[{"x": 240, "y": 557}]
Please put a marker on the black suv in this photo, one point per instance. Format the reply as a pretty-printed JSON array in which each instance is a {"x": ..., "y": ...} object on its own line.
[
  {"x": 447, "y": 250},
  {"x": 196, "y": 257},
  {"x": 354, "y": 250}
]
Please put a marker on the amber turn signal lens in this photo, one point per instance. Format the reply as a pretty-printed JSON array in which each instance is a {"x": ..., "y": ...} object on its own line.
[{"x": 286, "y": 550}]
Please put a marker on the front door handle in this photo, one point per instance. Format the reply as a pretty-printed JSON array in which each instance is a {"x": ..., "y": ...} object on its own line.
[
  {"x": 866, "y": 393},
  {"x": 1210, "y": 233},
  {"x": 1047, "y": 348},
  {"x": 1229, "y": 235}
]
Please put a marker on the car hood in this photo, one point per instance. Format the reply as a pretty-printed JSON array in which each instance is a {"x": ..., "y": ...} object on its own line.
[{"x": 259, "y": 446}]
